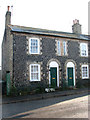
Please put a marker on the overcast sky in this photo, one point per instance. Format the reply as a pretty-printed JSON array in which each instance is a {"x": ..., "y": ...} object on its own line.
[{"x": 47, "y": 14}]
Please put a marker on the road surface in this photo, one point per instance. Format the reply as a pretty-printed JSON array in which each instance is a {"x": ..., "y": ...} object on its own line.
[{"x": 74, "y": 106}]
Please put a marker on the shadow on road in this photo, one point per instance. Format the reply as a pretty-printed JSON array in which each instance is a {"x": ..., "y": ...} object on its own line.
[{"x": 22, "y": 107}]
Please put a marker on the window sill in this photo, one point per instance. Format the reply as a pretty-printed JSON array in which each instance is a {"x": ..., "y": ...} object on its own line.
[
  {"x": 62, "y": 55},
  {"x": 35, "y": 80},
  {"x": 84, "y": 56},
  {"x": 34, "y": 54},
  {"x": 85, "y": 78}
]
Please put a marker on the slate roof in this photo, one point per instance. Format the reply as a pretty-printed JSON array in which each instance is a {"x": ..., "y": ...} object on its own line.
[{"x": 22, "y": 29}]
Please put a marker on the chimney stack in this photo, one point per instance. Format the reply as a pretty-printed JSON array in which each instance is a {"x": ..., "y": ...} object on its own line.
[
  {"x": 8, "y": 16},
  {"x": 76, "y": 27}
]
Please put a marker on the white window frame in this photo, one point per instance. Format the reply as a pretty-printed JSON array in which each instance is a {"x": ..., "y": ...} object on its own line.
[
  {"x": 64, "y": 48},
  {"x": 87, "y": 71},
  {"x": 35, "y": 72},
  {"x": 59, "y": 47},
  {"x": 38, "y": 49},
  {"x": 81, "y": 49}
]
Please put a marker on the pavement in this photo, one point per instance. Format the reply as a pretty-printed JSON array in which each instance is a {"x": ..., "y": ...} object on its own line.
[{"x": 8, "y": 100}]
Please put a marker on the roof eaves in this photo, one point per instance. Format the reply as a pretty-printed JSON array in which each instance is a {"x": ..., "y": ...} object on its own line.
[{"x": 21, "y": 29}]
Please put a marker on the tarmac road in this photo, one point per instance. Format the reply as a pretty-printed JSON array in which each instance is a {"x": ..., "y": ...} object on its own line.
[{"x": 73, "y": 106}]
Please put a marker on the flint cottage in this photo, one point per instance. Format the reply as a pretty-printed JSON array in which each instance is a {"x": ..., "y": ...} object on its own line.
[{"x": 39, "y": 57}]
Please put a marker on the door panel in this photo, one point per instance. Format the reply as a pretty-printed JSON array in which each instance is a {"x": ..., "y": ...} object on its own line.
[
  {"x": 53, "y": 76},
  {"x": 70, "y": 77}
]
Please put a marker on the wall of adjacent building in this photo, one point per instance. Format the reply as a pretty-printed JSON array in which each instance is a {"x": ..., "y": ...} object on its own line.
[{"x": 7, "y": 54}]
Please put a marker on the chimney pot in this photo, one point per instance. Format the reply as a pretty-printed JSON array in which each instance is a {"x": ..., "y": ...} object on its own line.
[
  {"x": 8, "y": 8},
  {"x": 8, "y": 16},
  {"x": 75, "y": 21}
]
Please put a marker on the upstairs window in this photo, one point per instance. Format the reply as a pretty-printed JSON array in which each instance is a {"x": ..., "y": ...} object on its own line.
[
  {"x": 84, "y": 49},
  {"x": 34, "y": 72},
  {"x": 34, "y": 47},
  {"x": 85, "y": 72},
  {"x": 61, "y": 47}
]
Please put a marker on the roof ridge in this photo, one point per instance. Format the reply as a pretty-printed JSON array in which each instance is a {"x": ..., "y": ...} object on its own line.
[
  {"x": 40, "y": 29},
  {"x": 18, "y": 28}
]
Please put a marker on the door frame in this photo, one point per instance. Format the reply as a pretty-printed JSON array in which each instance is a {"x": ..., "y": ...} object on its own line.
[
  {"x": 54, "y": 64},
  {"x": 69, "y": 65},
  {"x": 55, "y": 75},
  {"x": 71, "y": 76}
]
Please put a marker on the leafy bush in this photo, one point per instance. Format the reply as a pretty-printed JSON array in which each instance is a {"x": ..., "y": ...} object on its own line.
[
  {"x": 13, "y": 91},
  {"x": 79, "y": 84},
  {"x": 64, "y": 85}
]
